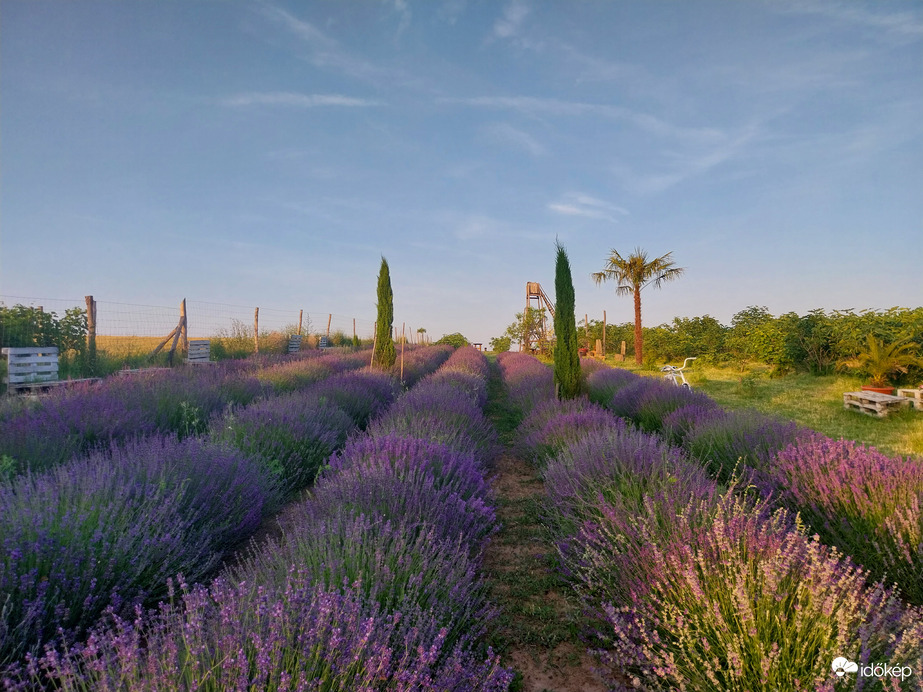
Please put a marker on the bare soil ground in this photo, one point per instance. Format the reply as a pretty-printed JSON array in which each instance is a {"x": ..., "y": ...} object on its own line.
[{"x": 538, "y": 632}]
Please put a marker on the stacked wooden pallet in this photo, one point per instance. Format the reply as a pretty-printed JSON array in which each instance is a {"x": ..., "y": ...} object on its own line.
[
  {"x": 874, "y": 403},
  {"x": 914, "y": 395}
]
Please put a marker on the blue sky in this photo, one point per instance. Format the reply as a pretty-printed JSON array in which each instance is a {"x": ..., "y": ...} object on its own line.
[{"x": 267, "y": 153}]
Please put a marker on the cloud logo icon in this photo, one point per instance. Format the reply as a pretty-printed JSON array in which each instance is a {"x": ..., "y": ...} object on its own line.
[{"x": 841, "y": 666}]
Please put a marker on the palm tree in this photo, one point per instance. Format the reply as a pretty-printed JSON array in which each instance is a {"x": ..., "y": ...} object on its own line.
[
  {"x": 881, "y": 359},
  {"x": 633, "y": 273}
]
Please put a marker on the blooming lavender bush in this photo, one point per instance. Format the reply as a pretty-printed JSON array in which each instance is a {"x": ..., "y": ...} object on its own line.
[
  {"x": 110, "y": 529},
  {"x": 620, "y": 466},
  {"x": 680, "y": 422},
  {"x": 292, "y": 375},
  {"x": 412, "y": 493},
  {"x": 662, "y": 398},
  {"x": 605, "y": 382},
  {"x": 552, "y": 425},
  {"x": 866, "y": 503},
  {"x": 526, "y": 380},
  {"x": 82, "y": 418},
  {"x": 436, "y": 413},
  {"x": 400, "y": 567},
  {"x": 744, "y": 602},
  {"x": 302, "y": 637},
  {"x": 361, "y": 394},
  {"x": 407, "y": 456},
  {"x": 741, "y": 441},
  {"x": 292, "y": 434},
  {"x": 420, "y": 362}
]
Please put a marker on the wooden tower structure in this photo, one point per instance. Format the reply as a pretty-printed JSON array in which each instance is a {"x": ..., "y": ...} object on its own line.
[{"x": 535, "y": 294}]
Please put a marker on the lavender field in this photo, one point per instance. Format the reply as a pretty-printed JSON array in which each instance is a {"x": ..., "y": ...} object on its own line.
[{"x": 708, "y": 550}]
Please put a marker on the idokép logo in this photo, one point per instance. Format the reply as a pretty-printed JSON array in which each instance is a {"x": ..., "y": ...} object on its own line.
[{"x": 841, "y": 666}]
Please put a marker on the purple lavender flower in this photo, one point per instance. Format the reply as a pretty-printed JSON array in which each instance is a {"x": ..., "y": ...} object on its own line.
[
  {"x": 110, "y": 529},
  {"x": 553, "y": 425},
  {"x": 292, "y": 434},
  {"x": 743, "y": 601},
  {"x": 526, "y": 380},
  {"x": 866, "y": 503},
  {"x": 362, "y": 394},
  {"x": 301, "y": 637}
]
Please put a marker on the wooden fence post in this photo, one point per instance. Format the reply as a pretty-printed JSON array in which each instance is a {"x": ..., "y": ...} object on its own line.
[
  {"x": 184, "y": 327},
  {"x": 300, "y": 315},
  {"x": 374, "y": 344},
  {"x": 256, "y": 330},
  {"x": 586, "y": 330},
  {"x": 329, "y": 318},
  {"x": 354, "y": 330},
  {"x": 91, "y": 334},
  {"x": 604, "y": 334},
  {"x": 402, "y": 352}
]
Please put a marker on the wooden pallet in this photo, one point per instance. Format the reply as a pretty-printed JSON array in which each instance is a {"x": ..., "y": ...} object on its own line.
[
  {"x": 873, "y": 403},
  {"x": 915, "y": 396}
]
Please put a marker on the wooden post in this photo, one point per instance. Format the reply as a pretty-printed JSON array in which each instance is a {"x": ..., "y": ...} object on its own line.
[
  {"x": 183, "y": 325},
  {"x": 374, "y": 344},
  {"x": 300, "y": 315},
  {"x": 256, "y": 330},
  {"x": 586, "y": 330},
  {"x": 623, "y": 349},
  {"x": 402, "y": 352},
  {"x": 91, "y": 334},
  {"x": 329, "y": 318},
  {"x": 354, "y": 330},
  {"x": 604, "y": 334}
]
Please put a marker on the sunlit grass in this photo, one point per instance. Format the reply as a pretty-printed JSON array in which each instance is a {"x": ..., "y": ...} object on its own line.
[{"x": 813, "y": 401}]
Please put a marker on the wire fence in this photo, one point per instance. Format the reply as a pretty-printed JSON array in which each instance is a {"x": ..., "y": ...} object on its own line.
[{"x": 129, "y": 328}]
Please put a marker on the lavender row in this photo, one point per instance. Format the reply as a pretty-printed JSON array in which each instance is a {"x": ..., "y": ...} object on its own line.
[
  {"x": 107, "y": 531},
  {"x": 867, "y": 504},
  {"x": 374, "y": 585},
  {"x": 695, "y": 586},
  {"x": 75, "y": 421}
]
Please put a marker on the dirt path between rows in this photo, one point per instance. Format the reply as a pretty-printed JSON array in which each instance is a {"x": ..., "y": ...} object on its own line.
[{"x": 538, "y": 629}]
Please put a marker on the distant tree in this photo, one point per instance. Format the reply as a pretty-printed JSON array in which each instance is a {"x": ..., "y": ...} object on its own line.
[
  {"x": 454, "y": 339},
  {"x": 528, "y": 326},
  {"x": 566, "y": 357},
  {"x": 385, "y": 354},
  {"x": 500, "y": 344},
  {"x": 632, "y": 274}
]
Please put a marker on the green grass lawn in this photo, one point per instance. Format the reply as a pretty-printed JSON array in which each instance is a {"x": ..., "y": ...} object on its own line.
[{"x": 813, "y": 401}]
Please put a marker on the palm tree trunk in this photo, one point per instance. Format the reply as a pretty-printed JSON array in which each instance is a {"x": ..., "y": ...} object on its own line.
[{"x": 637, "y": 294}]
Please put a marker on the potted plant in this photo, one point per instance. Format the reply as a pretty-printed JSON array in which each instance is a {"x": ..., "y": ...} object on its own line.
[{"x": 881, "y": 360}]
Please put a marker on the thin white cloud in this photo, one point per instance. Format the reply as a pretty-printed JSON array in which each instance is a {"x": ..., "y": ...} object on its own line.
[
  {"x": 535, "y": 106},
  {"x": 908, "y": 24},
  {"x": 510, "y": 23},
  {"x": 509, "y": 136},
  {"x": 579, "y": 204},
  {"x": 326, "y": 53},
  {"x": 686, "y": 165},
  {"x": 289, "y": 98}
]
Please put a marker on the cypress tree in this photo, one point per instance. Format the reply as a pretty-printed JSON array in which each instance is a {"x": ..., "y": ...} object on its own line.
[
  {"x": 384, "y": 345},
  {"x": 566, "y": 357}
]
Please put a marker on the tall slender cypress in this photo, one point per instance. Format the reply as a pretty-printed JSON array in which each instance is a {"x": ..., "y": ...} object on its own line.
[
  {"x": 566, "y": 357},
  {"x": 384, "y": 345}
]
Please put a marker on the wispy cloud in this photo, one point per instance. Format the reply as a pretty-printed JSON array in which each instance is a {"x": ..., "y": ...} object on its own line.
[
  {"x": 908, "y": 24},
  {"x": 681, "y": 166},
  {"x": 536, "y": 106},
  {"x": 509, "y": 136},
  {"x": 508, "y": 25},
  {"x": 579, "y": 204},
  {"x": 289, "y": 98},
  {"x": 326, "y": 53}
]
